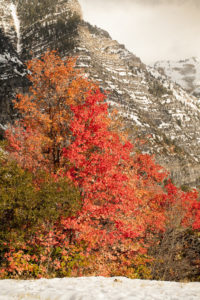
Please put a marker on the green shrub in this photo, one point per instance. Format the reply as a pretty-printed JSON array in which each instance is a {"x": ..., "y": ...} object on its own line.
[{"x": 28, "y": 204}]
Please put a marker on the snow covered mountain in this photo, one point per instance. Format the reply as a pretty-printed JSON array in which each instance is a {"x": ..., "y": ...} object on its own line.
[
  {"x": 186, "y": 73},
  {"x": 152, "y": 106}
]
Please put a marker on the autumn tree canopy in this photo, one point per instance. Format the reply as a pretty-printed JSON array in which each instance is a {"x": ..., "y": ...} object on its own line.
[{"x": 65, "y": 129}]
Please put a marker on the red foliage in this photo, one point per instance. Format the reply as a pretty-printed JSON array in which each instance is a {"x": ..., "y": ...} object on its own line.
[
  {"x": 125, "y": 205},
  {"x": 121, "y": 205},
  {"x": 186, "y": 204}
]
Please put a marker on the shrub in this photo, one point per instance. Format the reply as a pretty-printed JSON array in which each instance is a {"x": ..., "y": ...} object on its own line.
[{"x": 29, "y": 208}]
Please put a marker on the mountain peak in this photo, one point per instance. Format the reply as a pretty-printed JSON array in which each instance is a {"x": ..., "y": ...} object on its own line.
[{"x": 185, "y": 72}]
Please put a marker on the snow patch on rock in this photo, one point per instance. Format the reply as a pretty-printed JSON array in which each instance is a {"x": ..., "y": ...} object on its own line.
[{"x": 16, "y": 20}]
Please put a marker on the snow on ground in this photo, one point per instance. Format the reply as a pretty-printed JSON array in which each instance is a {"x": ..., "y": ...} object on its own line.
[{"x": 98, "y": 288}]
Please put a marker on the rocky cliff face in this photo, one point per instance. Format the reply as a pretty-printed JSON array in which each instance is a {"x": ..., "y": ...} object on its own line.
[
  {"x": 12, "y": 79},
  {"x": 151, "y": 105},
  {"x": 48, "y": 24}
]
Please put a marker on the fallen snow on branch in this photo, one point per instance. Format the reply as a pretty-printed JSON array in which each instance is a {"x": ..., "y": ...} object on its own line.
[{"x": 97, "y": 288}]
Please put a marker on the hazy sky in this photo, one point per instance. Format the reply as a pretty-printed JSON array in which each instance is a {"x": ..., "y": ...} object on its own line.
[{"x": 151, "y": 29}]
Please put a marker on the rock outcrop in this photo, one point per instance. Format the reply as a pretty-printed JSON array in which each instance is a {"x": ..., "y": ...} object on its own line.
[
  {"x": 12, "y": 79},
  {"x": 152, "y": 107}
]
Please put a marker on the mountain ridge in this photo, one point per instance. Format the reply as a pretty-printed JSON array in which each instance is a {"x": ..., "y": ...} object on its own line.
[{"x": 185, "y": 72}]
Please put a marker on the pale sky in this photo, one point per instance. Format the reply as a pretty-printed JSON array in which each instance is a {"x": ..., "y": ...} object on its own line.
[{"x": 151, "y": 29}]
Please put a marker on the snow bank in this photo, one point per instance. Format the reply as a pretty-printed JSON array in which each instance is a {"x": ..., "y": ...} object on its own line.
[{"x": 98, "y": 288}]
